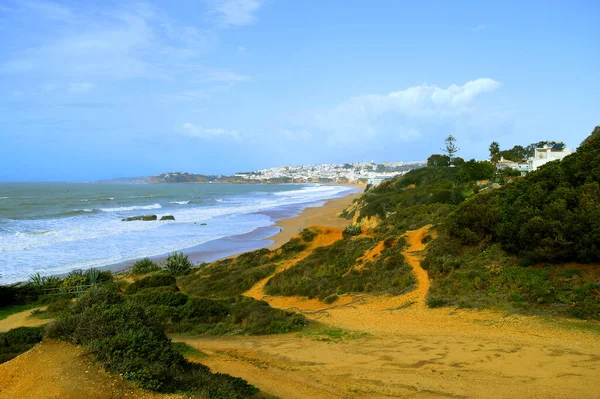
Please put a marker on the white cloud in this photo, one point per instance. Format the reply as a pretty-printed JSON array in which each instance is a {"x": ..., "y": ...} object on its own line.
[
  {"x": 241, "y": 49},
  {"x": 81, "y": 87},
  {"x": 363, "y": 117},
  {"x": 479, "y": 28},
  {"x": 137, "y": 41},
  {"x": 197, "y": 131},
  {"x": 236, "y": 12}
]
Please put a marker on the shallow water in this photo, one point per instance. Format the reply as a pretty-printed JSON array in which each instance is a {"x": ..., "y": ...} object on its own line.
[{"x": 53, "y": 228}]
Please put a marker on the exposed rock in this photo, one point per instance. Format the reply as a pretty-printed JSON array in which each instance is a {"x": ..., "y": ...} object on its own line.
[
  {"x": 142, "y": 217},
  {"x": 202, "y": 224},
  {"x": 168, "y": 217}
]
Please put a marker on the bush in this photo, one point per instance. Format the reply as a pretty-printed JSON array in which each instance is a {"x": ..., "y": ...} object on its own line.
[
  {"x": 18, "y": 340},
  {"x": 151, "y": 281},
  {"x": 144, "y": 266},
  {"x": 332, "y": 270},
  {"x": 308, "y": 235},
  {"x": 331, "y": 299},
  {"x": 128, "y": 339},
  {"x": 177, "y": 264},
  {"x": 352, "y": 230},
  {"x": 229, "y": 277},
  {"x": 179, "y": 313}
]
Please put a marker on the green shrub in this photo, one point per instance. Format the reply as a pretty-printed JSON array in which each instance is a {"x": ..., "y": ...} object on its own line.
[
  {"x": 308, "y": 235},
  {"x": 75, "y": 278},
  {"x": 177, "y": 264},
  {"x": 18, "y": 340},
  {"x": 144, "y": 266},
  {"x": 331, "y": 299},
  {"x": 229, "y": 277},
  {"x": 128, "y": 339},
  {"x": 151, "y": 281},
  {"x": 352, "y": 230},
  {"x": 93, "y": 276},
  {"x": 331, "y": 270}
]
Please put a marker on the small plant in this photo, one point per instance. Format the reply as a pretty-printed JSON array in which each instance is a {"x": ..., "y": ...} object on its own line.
[
  {"x": 151, "y": 282},
  {"x": 144, "y": 266},
  {"x": 308, "y": 235},
  {"x": 37, "y": 280},
  {"x": 352, "y": 230},
  {"x": 75, "y": 278},
  {"x": 93, "y": 276},
  {"x": 52, "y": 281},
  {"x": 177, "y": 264},
  {"x": 331, "y": 299}
]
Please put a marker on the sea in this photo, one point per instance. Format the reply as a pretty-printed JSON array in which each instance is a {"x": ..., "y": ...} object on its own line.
[{"x": 54, "y": 228}]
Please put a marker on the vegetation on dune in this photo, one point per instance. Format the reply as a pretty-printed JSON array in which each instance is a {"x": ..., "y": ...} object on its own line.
[
  {"x": 144, "y": 266},
  {"x": 229, "y": 277},
  {"x": 335, "y": 270},
  {"x": 552, "y": 216},
  {"x": 485, "y": 241},
  {"x": 234, "y": 276},
  {"x": 18, "y": 340},
  {"x": 129, "y": 339},
  {"x": 179, "y": 313},
  {"x": 177, "y": 264},
  {"x": 165, "y": 282}
]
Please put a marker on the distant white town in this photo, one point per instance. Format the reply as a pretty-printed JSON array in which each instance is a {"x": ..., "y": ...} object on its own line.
[{"x": 370, "y": 172}]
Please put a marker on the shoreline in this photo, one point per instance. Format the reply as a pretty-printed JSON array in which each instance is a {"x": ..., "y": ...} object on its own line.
[
  {"x": 270, "y": 237},
  {"x": 326, "y": 215}
]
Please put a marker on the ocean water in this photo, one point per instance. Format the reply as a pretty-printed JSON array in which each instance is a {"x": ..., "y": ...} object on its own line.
[{"x": 52, "y": 228}]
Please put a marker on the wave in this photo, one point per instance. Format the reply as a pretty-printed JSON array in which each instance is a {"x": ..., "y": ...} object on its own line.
[
  {"x": 4, "y": 197},
  {"x": 131, "y": 208},
  {"x": 180, "y": 202}
]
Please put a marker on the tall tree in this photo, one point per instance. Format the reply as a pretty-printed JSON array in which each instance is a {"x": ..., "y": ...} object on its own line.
[
  {"x": 451, "y": 149},
  {"x": 494, "y": 152}
]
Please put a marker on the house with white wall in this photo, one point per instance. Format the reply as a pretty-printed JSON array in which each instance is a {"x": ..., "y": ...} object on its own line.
[{"x": 548, "y": 154}]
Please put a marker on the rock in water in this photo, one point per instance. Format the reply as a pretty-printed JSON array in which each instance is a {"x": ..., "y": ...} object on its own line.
[
  {"x": 145, "y": 218},
  {"x": 168, "y": 217}
]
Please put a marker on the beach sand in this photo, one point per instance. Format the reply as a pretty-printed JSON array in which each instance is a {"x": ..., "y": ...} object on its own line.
[
  {"x": 326, "y": 215},
  {"x": 271, "y": 237}
]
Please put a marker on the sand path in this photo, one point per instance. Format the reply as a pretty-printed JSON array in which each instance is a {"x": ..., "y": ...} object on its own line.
[
  {"x": 411, "y": 351},
  {"x": 54, "y": 369},
  {"x": 21, "y": 319}
]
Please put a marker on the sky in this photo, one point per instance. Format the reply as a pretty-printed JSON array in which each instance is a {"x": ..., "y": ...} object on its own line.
[{"x": 106, "y": 89}]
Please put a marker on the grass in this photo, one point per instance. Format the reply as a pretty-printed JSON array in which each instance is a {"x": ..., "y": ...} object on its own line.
[
  {"x": 232, "y": 277},
  {"x": 330, "y": 334},
  {"x": 229, "y": 277},
  {"x": 187, "y": 350},
  {"x": 576, "y": 325},
  {"x": 332, "y": 270},
  {"x": 489, "y": 277},
  {"x": 181, "y": 314},
  {"x": 18, "y": 340},
  {"x": 13, "y": 309}
]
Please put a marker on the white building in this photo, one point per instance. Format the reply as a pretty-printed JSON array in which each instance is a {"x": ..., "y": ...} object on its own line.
[{"x": 548, "y": 154}]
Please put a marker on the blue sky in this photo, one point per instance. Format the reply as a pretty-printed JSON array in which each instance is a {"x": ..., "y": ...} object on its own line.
[{"x": 102, "y": 89}]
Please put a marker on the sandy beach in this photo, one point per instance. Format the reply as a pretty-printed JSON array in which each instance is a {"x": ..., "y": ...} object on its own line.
[
  {"x": 326, "y": 215},
  {"x": 270, "y": 237}
]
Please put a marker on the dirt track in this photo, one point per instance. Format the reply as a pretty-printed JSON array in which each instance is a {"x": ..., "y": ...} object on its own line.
[
  {"x": 411, "y": 351},
  {"x": 55, "y": 369}
]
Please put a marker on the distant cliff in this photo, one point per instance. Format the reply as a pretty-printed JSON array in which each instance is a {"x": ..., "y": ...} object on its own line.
[{"x": 181, "y": 177}]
